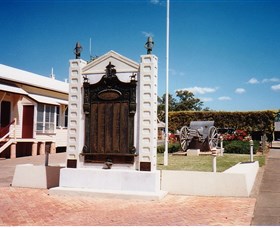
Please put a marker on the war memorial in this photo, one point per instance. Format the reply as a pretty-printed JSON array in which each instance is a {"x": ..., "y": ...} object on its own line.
[{"x": 112, "y": 131}]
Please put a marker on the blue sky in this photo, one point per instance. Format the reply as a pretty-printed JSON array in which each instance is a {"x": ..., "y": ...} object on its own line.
[{"x": 226, "y": 52}]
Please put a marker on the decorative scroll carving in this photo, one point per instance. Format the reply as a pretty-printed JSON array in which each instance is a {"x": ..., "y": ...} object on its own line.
[{"x": 109, "y": 94}]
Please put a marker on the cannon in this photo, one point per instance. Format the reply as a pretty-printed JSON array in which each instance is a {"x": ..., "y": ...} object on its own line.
[{"x": 201, "y": 135}]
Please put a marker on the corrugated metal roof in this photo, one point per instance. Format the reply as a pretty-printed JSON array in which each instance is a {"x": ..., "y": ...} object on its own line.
[
  {"x": 25, "y": 77},
  {"x": 12, "y": 89},
  {"x": 47, "y": 100}
]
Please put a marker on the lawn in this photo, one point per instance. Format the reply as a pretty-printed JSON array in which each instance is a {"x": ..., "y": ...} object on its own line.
[{"x": 204, "y": 162}]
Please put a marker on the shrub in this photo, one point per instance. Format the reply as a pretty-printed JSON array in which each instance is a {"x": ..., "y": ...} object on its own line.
[
  {"x": 236, "y": 135},
  {"x": 239, "y": 147},
  {"x": 172, "y": 139},
  {"x": 172, "y": 147}
]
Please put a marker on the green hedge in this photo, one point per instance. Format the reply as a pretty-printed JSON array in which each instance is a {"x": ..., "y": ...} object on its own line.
[
  {"x": 239, "y": 147},
  {"x": 172, "y": 147},
  {"x": 247, "y": 121}
]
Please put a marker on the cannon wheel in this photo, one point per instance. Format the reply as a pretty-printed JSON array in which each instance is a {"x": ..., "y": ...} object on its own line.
[
  {"x": 185, "y": 138},
  {"x": 212, "y": 137}
]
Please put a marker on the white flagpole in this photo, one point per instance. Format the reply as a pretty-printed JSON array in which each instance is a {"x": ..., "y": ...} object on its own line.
[
  {"x": 167, "y": 83},
  {"x": 90, "y": 48}
]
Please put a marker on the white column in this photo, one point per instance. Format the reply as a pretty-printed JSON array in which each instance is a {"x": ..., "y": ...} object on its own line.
[
  {"x": 75, "y": 136},
  {"x": 148, "y": 111}
]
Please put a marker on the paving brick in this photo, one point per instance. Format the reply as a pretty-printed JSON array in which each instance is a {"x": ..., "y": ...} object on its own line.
[
  {"x": 28, "y": 207},
  {"x": 34, "y": 207}
]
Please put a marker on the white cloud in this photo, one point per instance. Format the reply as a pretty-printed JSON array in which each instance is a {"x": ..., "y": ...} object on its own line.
[
  {"x": 276, "y": 87},
  {"x": 206, "y": 99},
  {"x": 240, "y": 90},
  {"x": 174, "y": 72},
  {"x": 200, "y": 90},
  {"x": 271, "y": 80},
  {"x": 253, "y": 81},
  {"x": 224, "y": 98},
  {"x": 147, "y": 34},
  {"x": 154, "y": 1}
]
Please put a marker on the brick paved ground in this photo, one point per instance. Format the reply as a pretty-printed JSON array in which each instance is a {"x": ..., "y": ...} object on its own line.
[{"x": 25, "y": 206}]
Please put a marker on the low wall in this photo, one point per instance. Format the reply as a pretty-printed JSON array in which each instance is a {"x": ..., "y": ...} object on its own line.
[
  {"x": 36, "y": 176},
  {"x": 236, "y": 181}
]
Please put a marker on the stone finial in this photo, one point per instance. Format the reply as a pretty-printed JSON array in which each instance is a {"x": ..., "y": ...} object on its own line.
[
  {"x": 149, "y": 45},
  {"x": 77, "y": 50},
  {"x": 110, "y": 70}
]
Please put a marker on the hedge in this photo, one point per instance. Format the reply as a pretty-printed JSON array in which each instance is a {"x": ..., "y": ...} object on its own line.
[
  {"x": 239, "y": 147},
  {"x": 249, "y": 121}
]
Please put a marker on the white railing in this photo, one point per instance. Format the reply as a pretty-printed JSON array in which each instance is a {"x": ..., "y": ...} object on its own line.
[{"x": 7, "y": 131}]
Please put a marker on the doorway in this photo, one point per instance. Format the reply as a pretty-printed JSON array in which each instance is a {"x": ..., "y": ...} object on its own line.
[
  {"x": 27, "y": 121},
  {"x": 5, "y": 114}
]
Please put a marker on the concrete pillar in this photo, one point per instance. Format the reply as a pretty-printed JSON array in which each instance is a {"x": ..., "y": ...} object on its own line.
[
  {"x": 75, "y": 136},
  {"x": 52, "y": 149},
  {"x": 42, "y": 148},
  {"x": 251, "y": 150},
  {"x": 13, "y": 150},
  {"x": 148, "y": 113},
  {"x": 214, "y": 162},
  {"x": 34, "y": 148}
]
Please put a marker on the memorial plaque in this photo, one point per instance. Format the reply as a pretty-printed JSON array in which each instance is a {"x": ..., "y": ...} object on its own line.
[
  {"x": 71, "y": 163},
  {"x": 109, "y": 107},
  {"x": 145, "y": 166}
]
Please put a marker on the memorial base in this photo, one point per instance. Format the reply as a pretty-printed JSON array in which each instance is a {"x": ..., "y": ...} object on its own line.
[
  {"x": 193, "y": 152},
  {"x": 109, "y": 183}
]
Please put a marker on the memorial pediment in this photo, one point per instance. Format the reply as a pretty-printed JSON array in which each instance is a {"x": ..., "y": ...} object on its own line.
[{"x": 123, "y": 64}]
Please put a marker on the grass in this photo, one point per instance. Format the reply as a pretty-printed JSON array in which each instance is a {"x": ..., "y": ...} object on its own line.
[{"x": 204, "y": 163}]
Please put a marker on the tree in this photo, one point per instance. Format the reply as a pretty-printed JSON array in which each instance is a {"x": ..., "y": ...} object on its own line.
[
  {"x": 187, "y": 101},
  {"x": 161, "y": 103}
]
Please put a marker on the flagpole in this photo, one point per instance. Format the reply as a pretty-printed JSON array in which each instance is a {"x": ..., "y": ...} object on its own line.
[{"x": 167, "y": 83}]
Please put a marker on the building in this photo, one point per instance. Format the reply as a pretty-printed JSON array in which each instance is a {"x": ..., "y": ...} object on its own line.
[{"x": 33, "y": 113}]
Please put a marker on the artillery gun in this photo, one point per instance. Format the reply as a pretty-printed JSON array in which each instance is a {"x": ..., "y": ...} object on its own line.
[{"x": 201, "y": 135}]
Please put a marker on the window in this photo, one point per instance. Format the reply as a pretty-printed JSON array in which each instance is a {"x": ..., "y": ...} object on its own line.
[
  {"x": 57, "y": 117},
  {"x": 62, "y": 116},
  {"x": 46, "y": 118},
  {"x": 66, "y": 117}
]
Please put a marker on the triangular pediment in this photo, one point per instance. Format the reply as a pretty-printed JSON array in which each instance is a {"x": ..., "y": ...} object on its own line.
[{"x": 121, "y": 63}]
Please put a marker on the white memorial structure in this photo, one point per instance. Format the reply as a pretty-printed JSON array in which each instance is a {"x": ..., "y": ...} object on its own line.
[{"x": 112, "y": 128}]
